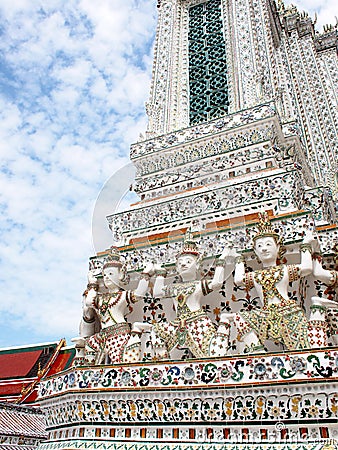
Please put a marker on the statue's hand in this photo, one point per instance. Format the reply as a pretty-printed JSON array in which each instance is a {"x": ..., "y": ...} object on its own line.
[
  {"x": 149, "y": 269},
  {"x": 92, "y": 274},
  {"x": 90, "y": 297},
  {"x": 309, "y": 237},
  {"x": 160, "y": 271},
  {"x": 316, "y": 246},
  {"x": 229, "y": 254},
  {"x": 158, "y": 267}
]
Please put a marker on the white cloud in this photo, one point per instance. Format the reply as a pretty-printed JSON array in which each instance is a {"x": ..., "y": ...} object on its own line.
[{"x": 65, "y": 127}]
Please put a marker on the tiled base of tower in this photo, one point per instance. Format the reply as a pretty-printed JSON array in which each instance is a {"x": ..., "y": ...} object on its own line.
[{"x": 279, "y": 400}]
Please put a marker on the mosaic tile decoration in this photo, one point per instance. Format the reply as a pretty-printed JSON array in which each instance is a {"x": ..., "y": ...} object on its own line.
[{"x": 295, "y": 367}]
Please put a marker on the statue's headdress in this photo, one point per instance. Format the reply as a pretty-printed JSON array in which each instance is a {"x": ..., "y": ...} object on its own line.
[
  {"x": 113, "y": 259},
  {"x": 265, "y": 229},
  {"x": 189, "y": 246}
]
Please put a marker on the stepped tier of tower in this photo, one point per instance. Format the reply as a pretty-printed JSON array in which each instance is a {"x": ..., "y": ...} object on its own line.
[{"x": 223, "y": 170}]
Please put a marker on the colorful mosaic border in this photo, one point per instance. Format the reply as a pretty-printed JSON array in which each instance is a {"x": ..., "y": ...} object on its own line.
[
  {"x": 196, "y": 409},
  {"x": 294, "y": 367}
]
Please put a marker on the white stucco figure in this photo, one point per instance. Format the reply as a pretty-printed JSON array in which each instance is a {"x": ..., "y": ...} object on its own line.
[
  {"x": 116, "y": 338},
  {"x": 278, "y": 318},
  {"x": 192, "y": 329}
]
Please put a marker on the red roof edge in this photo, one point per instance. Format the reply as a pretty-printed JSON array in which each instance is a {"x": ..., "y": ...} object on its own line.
[{"x": 42, "y": 373}]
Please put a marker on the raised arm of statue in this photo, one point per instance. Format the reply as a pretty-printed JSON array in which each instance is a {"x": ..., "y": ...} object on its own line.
[
  {"x": 329, "y": 277},
  {"x": 159, "y": 286},
  {"x": 90, "y": 296},
  {"x": 143, "y": 284},
  {"x": 223, "y": 267},
  {"x": 90, "y": 322},
  {"x": 88, "y": 304},
  {"x": 306, "y": 266},
  {"x": 239, "y": 277}
]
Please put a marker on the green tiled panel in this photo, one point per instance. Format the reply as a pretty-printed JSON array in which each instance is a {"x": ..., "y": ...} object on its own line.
[{"x": 208, "y": 81}]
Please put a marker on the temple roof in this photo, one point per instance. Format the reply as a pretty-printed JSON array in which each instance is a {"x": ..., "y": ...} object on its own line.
[
  {"x": 21, "y": 368},
  {"x": 22, "y": 421},
  {"x": 19, "y": 364}
]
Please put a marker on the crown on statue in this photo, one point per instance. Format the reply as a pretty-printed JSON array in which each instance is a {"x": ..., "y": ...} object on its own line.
[
  {"x": 113, "y": 258},
  {"x": 265, "y": 229},
  {"x": 189, "y": 246}
]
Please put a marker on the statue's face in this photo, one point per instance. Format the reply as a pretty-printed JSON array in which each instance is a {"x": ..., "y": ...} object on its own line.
[
  {"x": 186, "y": 264},
  {"x": 111, "y": 276},
  {"x": 266, "y": 249}
]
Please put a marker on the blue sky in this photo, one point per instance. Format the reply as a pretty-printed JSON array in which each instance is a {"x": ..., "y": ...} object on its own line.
[{"x": 74, "y": 77}]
